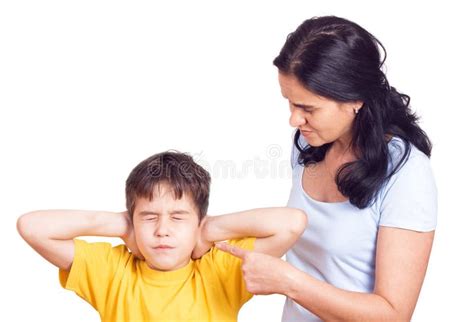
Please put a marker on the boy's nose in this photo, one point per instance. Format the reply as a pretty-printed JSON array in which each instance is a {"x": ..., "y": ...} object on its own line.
[{"x": 162, "y": 228}]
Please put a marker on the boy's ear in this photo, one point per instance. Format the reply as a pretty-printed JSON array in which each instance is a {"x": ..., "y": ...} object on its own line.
[{"x": 203, "y": 220}]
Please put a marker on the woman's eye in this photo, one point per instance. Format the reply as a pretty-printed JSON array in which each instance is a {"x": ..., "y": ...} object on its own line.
[
  {"x": 150, "y": 218},
  {"x": 177, "y": 218},
  {"x": 309, "y": 109},
  {"x": 305, "y": 109}
]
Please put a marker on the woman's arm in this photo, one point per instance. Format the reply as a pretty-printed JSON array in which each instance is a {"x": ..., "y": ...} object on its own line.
[
  {"x": 276, "y": 229},
  {"x": 51, "y": 232},
  {"x": 401, "y": 262}
]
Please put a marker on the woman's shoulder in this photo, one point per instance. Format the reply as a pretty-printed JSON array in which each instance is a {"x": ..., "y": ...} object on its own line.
[
  {"x": 407, "y": 173},
  {"x": 398, "y": 148}
]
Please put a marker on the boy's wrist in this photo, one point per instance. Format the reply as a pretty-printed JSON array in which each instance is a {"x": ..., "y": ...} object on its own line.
[
  {"x": 212, "y": 232},
  {"x": 125, "y": 224},
  {"x": 112, "y": 224},
  {"x": 205, "y": 226}
]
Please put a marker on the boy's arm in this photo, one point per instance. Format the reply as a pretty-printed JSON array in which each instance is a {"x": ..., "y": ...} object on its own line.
[
  {"x": 51, "y": 232},
  {"x": 276, "y": 229}
]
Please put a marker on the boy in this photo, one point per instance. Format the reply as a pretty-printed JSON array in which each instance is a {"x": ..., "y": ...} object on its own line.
[{"x": 173, "y": 272}]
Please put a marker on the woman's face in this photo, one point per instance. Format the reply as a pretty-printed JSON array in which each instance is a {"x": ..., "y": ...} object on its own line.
[{"x": 320, "y": 120}]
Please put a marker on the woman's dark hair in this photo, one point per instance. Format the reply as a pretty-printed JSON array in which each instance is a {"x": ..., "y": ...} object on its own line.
[
  {"x": 336, "y": 58},
  {"x": 174, "y": 168}
]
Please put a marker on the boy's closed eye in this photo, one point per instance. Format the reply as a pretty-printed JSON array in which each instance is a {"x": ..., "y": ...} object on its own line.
[{"x": 150, "y": 218}]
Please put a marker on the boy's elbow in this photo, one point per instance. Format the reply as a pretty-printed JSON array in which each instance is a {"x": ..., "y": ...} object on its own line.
[
  {"x": 23, "y": 226},
  {"x": 26, "y": 227},
  {"x": 299, "y": 222}
]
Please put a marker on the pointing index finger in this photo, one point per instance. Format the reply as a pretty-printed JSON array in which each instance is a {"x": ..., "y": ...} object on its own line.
[{"x": 231, "y": 249}]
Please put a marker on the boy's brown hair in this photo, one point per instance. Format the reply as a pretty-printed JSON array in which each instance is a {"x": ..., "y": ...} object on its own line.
[{"x": 174, "y": 168}]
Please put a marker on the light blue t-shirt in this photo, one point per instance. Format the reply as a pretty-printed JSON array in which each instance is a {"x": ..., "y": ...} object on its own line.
[{"x": 339, "y": 243}]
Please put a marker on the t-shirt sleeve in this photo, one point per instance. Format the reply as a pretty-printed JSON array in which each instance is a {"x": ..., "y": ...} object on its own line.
[
  {"x": 92, "y": 271},
  {"x": 409, "y": 200},
  {"x": 230, "y": 271}
]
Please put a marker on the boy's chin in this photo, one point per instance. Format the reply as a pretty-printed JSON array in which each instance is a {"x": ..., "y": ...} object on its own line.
[{"x": 165, "y": 267}]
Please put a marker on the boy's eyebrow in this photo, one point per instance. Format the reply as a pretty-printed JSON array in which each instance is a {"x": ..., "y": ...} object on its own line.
[
  {"x": 179, "y": 211},
  {"x": 175, "y": 211}
]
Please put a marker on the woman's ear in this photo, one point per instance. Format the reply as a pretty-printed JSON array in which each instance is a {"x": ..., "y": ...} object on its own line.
[{"x": 358, "y": 105}]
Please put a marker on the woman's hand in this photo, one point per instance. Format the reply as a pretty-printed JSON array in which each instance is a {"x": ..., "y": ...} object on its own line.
[
  {"x": 202, "y": 244},
  {"x": 129, "y": 236},
  {"x": 263, "y": 274}
]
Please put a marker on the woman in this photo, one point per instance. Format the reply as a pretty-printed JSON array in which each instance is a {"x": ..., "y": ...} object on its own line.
[{"x": 362, "y": 174}]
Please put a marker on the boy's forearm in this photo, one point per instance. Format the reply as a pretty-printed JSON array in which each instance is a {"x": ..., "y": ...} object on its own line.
[
  {"x": 260, "y": 223},
  {"x": 68, "y": 224}
]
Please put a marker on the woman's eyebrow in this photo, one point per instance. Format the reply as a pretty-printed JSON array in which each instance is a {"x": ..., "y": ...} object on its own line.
[{"x": 302, "y": 105}]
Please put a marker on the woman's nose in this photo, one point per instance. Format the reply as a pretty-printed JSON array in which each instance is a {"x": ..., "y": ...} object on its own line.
[{"x": 296, "y": 118}]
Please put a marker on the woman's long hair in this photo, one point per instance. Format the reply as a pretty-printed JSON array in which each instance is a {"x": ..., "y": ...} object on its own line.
[{"x": 336, "y": 58}]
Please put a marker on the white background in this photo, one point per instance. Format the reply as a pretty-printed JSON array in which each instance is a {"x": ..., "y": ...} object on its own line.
[{"x": 90, "y": 88}]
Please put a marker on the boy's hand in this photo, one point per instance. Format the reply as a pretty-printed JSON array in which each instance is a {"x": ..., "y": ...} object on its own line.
[
  {"x": 129, "y": 237},
  {"x": 202, "y": 244}
]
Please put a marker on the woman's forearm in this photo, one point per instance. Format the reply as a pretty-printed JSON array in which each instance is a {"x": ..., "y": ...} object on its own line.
[
  {"x": 334, "y": 304},
  {"x": 68, "y": 224},
  {"x": 260, "y": 222}
]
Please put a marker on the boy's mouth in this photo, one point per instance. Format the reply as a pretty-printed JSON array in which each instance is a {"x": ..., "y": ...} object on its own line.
[{"x": 163, "y": 247}]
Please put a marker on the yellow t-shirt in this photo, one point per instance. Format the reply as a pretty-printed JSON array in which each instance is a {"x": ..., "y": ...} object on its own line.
[{"x": 123, "y": 288}]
